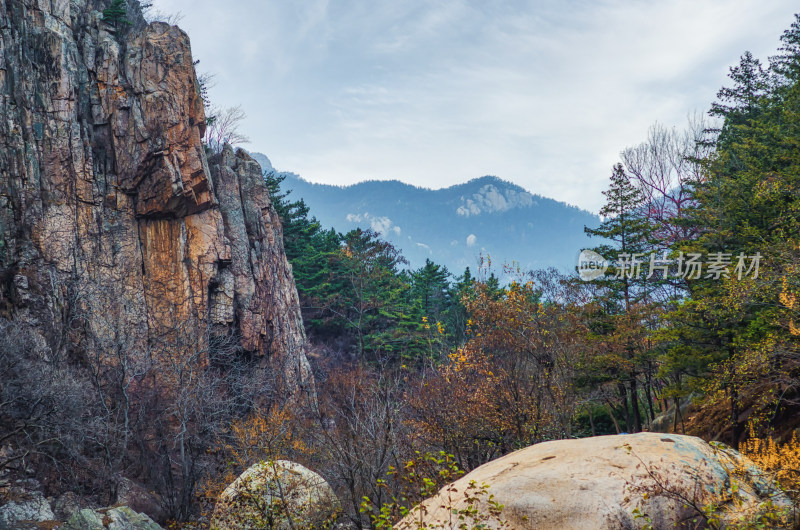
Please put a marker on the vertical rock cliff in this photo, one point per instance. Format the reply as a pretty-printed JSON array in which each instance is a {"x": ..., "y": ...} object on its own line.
[{"x": 114, "y": 227}]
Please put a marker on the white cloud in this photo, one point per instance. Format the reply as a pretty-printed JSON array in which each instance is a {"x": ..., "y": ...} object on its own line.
[
  {"x": 471, "y": 240},
  {"x": 353, "y": 218},
  {"x": 382, "y": 225},
  {"x": 545, "y": 94}
]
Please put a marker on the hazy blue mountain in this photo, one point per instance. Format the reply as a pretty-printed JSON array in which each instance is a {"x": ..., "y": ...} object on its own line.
[{"x": 453, "y": 226}]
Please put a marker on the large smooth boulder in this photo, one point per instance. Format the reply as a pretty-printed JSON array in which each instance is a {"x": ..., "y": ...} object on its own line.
[
  {"x": 117, "y": 518},
  {"x": 604, "y": 482},
  {"x": 270, "y": 494}
]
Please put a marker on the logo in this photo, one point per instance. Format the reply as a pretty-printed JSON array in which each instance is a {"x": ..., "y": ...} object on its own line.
[{"x": 591, "y": 265}]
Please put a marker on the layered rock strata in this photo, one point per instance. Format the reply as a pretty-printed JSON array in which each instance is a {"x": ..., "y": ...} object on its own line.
[{"x": 114, "y": 229}]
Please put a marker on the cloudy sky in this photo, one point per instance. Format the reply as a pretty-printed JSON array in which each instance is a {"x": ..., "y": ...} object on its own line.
[{"x": 542, "y": 93}]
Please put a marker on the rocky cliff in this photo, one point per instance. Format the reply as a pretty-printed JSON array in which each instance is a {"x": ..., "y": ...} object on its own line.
[{"x": 115, "y": 228}]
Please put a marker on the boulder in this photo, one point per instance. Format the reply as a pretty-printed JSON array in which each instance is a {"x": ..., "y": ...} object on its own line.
[
  {"x": 621, "y": 481},
  {"x": 117, "y": 518},
  {"x": 273, "y": 493},
  {"x": 24, "y": 507},
  {"x": 136, "y": 497},
  {"x": 67, "y": 504}
]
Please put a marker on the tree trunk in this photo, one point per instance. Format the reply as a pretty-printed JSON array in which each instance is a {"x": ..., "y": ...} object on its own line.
[
  {"x": 623, "y": 393},
  {"x": 735, "y": 423},
  {"x": 637, "y": 416}
]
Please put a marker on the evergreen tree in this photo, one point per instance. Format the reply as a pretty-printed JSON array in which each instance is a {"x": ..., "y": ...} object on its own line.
[
  {"x": 743, "y": 102},
  {"x": 365, "y": 292},
  {"x": 623, "y": 295},
  {"x": 787, "y": 63},
  {"x": 726, "y": 340},
  {"x": 628, "y": 240},
  {"x": 430, "y": 285},
  {"x": 309, "y": 248},
  {"x": 117, "y": 13}
]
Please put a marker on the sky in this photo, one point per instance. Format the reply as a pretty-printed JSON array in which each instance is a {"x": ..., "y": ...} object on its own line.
[{"x": 544, "y": 94}]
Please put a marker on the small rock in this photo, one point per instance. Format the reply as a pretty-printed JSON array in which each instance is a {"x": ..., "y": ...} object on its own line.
[
  {"x": 66, "y": 505},
  {"x": 119, "y": 518}
]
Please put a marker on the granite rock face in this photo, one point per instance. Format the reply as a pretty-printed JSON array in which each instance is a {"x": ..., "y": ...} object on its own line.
[
  {"x": 112, "y": 224},
  {"x": 609, "y": 482}
]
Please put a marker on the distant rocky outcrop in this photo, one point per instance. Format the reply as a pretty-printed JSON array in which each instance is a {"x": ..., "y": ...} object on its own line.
[
  {"x": 604, "y": 482},
  {"x": 113, "y": 225},
  {"x": 280, "y": 495}
]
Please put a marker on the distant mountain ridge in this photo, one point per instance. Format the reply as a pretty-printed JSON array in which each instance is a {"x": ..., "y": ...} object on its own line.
[{"x": 453, "y": 226}]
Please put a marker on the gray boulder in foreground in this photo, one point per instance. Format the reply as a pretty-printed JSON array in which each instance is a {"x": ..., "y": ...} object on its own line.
[
  {"x": 25, "y": 507},
  {"x": 119, "y": 518},
  {"x": 279, "y": 495}
]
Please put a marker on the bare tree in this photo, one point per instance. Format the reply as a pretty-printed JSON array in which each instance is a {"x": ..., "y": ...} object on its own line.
[
  {"x": 42, "y": 404},
  {"x": 151, "y": 14},
  {"x": 359, "y": 435},
  {"x": 665, "y": 167},
  {"x": 224, "y": 127}
]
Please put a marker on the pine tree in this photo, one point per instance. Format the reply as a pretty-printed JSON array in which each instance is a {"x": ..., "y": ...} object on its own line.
[
  {"x": 430, "y": 284},
  {"x": 628, "y": 236},
  {"x": 787, "y": 63},
  {"x": 117, "y": 13},
  {"x": 724, "y": 339},
  {"x": 743, "y": 102},
  {"x": 622, "y": 298}
]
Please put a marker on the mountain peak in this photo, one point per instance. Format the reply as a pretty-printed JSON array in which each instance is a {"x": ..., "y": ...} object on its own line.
[{"x": 454, "y": 226}]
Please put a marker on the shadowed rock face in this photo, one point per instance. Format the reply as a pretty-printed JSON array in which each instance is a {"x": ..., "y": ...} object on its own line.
[{"x": 112, "y": 226}]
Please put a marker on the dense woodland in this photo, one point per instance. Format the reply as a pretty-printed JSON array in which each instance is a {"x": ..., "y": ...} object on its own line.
[{"x": 451, "y": 369}]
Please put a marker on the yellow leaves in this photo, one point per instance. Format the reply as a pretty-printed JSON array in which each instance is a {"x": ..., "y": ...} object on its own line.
[
  {"x": 780, "y": 461},
  {"x": 459, "y": 360},
  {"x": 786, "y": 298},
  {"x": 264, "y": 435}
]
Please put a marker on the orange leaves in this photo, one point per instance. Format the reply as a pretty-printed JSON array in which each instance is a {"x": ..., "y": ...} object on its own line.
[
  {"x": 269, "y": 435},
  {"x": 780, "y": 461},
  {"x": 265, "y": 435},
  {"x": 509, "y": 385}
]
